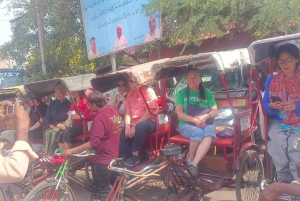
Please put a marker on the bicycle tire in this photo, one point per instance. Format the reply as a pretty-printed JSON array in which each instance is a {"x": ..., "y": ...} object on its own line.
[
  {"x": 2, "y": 195},
  {"x": 44, "y": 191},
  {"x": 250, "y": 163}
]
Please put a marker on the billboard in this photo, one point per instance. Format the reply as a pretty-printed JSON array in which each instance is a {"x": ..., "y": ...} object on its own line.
[
  {"x": 10, "y": 78},
  {"x": 115, "y": 25}
]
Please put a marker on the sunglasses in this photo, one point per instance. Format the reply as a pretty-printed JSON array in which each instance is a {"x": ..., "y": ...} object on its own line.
[{"x": 120, "y": 85}]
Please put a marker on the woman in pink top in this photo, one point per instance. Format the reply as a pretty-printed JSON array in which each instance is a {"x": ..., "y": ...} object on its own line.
[{"x": 138, "y": 122}]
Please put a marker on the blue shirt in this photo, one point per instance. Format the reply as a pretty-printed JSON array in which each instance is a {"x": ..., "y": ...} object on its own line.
[{"x": 266, "y": 100}]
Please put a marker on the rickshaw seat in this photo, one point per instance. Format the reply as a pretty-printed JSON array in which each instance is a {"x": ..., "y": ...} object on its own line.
[{"x": 178, "y": 139}]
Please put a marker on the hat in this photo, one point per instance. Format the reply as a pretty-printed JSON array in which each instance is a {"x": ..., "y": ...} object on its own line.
[{"x": 9, "y": 135}]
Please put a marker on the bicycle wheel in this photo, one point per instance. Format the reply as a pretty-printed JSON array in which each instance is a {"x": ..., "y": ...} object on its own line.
[
  {"x": 46, "y": 191},
  {"x": 2, "y": 195},
  {"x": 249, "y": 176}
]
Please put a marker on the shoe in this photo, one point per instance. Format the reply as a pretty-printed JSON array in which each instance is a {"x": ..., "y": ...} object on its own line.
[
  {"x": 193, "y": 169},
  {"x": 132, "y": 160},
  {"x": 125, "y": 156},
  {"x": 188, "y": 163},
  {"x": 143, "y": 156}
]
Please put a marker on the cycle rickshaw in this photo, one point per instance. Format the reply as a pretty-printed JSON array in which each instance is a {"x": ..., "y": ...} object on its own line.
[
  {"x": 262, "y": 54},
  {"x": 104, "y": 83},
  {"x": 234, "y": 161},
  {"x": 44, "y": 167}
]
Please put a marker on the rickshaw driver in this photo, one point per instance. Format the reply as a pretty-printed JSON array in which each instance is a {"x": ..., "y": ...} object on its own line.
[
  {"x": 193, "y": 126},
  {"x": 281, "y": 100},
  {"x": 138, "y": 122},
  {"x": 104, "y": 138}
]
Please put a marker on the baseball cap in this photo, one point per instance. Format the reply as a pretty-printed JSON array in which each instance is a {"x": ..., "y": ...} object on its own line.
[{"x": 9, "y": 135}]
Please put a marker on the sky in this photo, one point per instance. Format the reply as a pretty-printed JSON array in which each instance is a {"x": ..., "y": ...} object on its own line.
[{"x": 5, "y": 31}]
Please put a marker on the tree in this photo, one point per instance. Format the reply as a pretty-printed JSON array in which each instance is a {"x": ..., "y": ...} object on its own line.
[
  {"x": 191, "y": 21},
  {"x": 66, "y": 54}
]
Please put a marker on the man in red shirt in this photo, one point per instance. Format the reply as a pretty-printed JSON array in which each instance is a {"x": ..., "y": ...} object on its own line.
[
  {"x": 139, "y": 122},
  {"x": 104, "y": 139}
]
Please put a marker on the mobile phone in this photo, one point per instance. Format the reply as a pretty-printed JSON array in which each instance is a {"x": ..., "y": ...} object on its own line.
[
  {"x": 276, "y": 99},
  {"x": 10, "y": 109}
]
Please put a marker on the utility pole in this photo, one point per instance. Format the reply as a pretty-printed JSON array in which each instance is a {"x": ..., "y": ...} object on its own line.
[
  {"x": 113, "y": 62},
  {"x": 40, "y": 25}
]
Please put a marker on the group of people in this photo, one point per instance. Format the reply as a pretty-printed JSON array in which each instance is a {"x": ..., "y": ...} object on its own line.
[{"x": 120, "y": 128}]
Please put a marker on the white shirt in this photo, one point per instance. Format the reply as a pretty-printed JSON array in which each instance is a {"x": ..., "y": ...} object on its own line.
[
  {"x": 91, "y": 54},
  {"x": 150, "y": 37},
  {"x": 120, "y": 43}
]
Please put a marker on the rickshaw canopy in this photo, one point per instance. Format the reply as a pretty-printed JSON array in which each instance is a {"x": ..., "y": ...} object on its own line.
[
  {"x": 221, "y": 60},
  {"x": 46, "y": 87},
  {"x": 13, "y": 92},
  {"x": 265, "y": 48},
  {"x": 141, "y": 74}
]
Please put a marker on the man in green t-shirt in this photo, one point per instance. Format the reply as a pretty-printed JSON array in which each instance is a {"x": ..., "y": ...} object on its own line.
[{"x": 194, "y": 127}]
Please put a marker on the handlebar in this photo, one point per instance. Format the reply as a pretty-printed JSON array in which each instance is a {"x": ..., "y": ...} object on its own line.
[
  {"x": 81, "y": 154},
  {"x": 140, "y": 173}
]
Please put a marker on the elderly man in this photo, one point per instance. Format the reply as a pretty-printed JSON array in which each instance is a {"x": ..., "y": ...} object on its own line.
[
  {"x": 139, "y": 122},
  {"x": 57, "y": 114},
  {"x": 14, "y": 166},
  {"x": 121, "y": 41},
  {"x": 93, "y": 51},
  {"x": 153, "y": 33}
]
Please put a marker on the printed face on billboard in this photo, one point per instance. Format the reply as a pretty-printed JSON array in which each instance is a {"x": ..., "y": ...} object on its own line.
[{"x": 116, "y": 25}]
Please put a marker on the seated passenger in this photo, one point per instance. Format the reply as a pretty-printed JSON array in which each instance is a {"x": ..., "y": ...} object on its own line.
[
  {"x": 37, "y": 116},
  {"x": 57, "y": 113},
  {"x": 104, "y": 138},
  {"x": 138, "y": 122},
  {"x": 282, "y": 104},
  {"x": 193, "y": 125},
  {"x": 119, "y": 101},
  {"x": 66, "y": 135}
]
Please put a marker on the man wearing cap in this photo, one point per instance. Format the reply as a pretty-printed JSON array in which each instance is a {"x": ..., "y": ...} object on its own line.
[
  {"x": 14, "y": 166},
  {"x": 121, "y": 41}
]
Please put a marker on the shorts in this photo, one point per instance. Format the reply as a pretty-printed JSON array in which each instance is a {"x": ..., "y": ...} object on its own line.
[{"x": 194, "y": 133}]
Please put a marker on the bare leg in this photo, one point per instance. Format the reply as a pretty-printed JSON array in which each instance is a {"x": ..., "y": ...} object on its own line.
[
  {"x": 202, "y": 149},
  {"x": 136, "y": 153},
  {"x": 193, "y": 149}
]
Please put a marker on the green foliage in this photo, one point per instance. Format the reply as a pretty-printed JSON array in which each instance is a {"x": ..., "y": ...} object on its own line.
[
  {"x": 191, "y": 21},
  {"x": 64, "y": 42}
]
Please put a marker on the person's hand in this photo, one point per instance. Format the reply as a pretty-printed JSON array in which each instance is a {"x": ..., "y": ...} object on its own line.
[
  {"x": 132, "y": 132},
  {"x": 75, "y": 116},
  {"x": 52, "y": 126},
  {"x": 67, "y": 153},
  {"x": 271, "y": 192},
  {"x": 202, "y": 125},
  {"x": 61, "y": 126},
  {"x": 289, "y": 106},
  {"x": 275, "y": 105},
  {"x": 196, "y": 121},
  {"x": 127, "y": 130},
  {"x": 202, "y": 119},
  {"x": 21, "y": 119}
]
